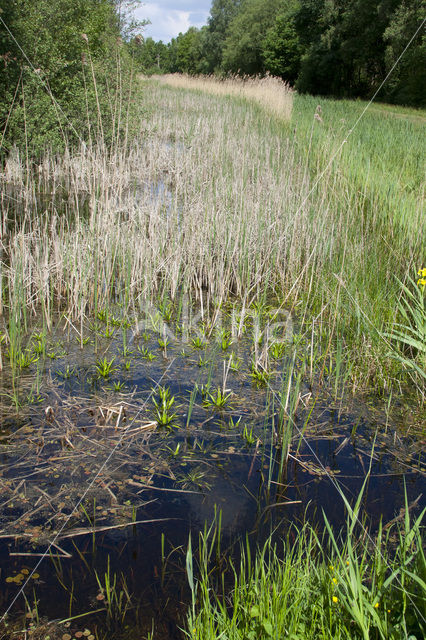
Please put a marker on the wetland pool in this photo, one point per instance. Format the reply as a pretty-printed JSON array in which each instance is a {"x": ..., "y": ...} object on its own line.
[{"x": 113, "y": 451}]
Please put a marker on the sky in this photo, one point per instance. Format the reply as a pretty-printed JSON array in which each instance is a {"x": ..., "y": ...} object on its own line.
[{"x": 169, "y": 17}]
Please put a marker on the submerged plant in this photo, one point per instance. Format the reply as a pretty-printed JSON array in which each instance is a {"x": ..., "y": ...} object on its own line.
[
  {"x": 195, "y": 477},
  {"x": 234, "y": 362},
  {"x": 67, "y": 373},
  {"x": 144, "y": 351},
  {"x": 248, "y": 436},
  {"x": 116, "y": 598},
  {"x": 259, "y": 375},
  {"x": 225, "y": 339},
  {"x": 108, "y": 332},
  {"x": 166, "y": 310},
  {"x": 25, "y": 359},
  {"x": 163, "y": 412},
  {"x": 104, "y": 368},
  {"x": 34, "y": 398},
  {"x": 39, "y": 345},
  {"x": 277, "y": 350},
  {"x": 174, "y": 452},
  {"x": 163, "y": 343},
  {"x": 233, "y": 424},
  {"x": 126, "y": 352},
  {"x": 102, "y": 315},
  {"x": 116, "y": 322},
  {"x": 198, "y": 343},
  {"x": 218, "y": 398}
]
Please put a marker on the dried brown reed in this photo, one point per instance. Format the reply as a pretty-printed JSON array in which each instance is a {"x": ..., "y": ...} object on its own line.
[
  {"x": 270, "y": 92},
  {"x": 189, "y": 204},
  {"x": 213, "y": 200}
]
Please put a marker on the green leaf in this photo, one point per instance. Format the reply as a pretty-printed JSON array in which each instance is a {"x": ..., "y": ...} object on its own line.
[
  {"x": 267, "y": 627},
  {"x": 254, "y": 612}
]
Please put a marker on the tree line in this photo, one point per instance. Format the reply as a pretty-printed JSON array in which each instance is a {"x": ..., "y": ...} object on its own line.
[
  {"x": 343, "y": 48},
  {"x": 67, "y": 69}
]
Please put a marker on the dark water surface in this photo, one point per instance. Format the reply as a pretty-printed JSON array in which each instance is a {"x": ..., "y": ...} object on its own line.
[{"x": 79, "y": 440}]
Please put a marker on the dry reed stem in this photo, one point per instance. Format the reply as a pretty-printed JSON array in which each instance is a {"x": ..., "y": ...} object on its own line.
[
  {"x": 211, "y": 200},
  {"x": 270, "y": 92}
]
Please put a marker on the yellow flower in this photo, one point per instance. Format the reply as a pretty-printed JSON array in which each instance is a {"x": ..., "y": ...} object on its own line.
[
  {"x": 334, "y": 580},
  {"x": 335, "y": 599},
  {"x": 376, "y": 606},
  {"x": 421, "y": 283},
  {"x": 331, "y": 567}
]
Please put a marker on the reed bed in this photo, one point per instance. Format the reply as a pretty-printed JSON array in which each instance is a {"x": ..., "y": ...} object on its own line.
[
  {"x": 270, "y": 92},
  {"x": 214, "y": 200}
]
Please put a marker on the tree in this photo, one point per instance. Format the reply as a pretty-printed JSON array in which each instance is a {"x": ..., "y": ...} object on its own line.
[
  {"x": 242, "y": 52},
  {"x": 281, "y": 47},
  {"x": 221, "y": 14},
  {"x": 56, "y": 99},
  {"x": 344, "y": 43},
  {"x": 408, "y": 81},
  {"x": 185, "y": 52},
  {"x": 128, "y": 25},
  {"x": 150, "y": 56}
]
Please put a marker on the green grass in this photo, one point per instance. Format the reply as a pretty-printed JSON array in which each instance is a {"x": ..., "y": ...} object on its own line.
[
  {"x": 383, "y": 157},
  {"x": 312, "y": 587}
]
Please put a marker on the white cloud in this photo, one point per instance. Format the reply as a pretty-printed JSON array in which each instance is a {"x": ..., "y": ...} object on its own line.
[{"x": 167, "y": 21}]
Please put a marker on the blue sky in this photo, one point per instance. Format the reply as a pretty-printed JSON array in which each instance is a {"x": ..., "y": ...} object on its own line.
[{"x": 169, "y": 17}]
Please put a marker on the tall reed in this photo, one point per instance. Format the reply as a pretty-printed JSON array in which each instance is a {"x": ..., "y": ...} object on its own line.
[{"x": 213, "y": 199}]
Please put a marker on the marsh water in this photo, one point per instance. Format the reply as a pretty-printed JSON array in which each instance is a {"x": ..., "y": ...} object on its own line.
[{"x": 91, "y": 484}]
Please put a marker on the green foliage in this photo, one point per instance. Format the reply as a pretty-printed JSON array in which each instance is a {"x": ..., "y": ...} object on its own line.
[
  {"x": 104, "y": 368},
  {"x": 408, "y": 82},
  {"x": 281, "y": 47},
  {"x": 218, "y": 399},
  {"x": 225, "y": 339},
  {"x": 334, "y": 587},
  {"x": 163, "y": 412},
  {"x": 221, "y": 14},
  {"x": 63, "y": 65},
  {"x": 351, "y": 46},
  {"x": 186, "y": 52},
  {"x": 259, "y": 375},
  {"x": 128, "y": 25},
  {"x": 324, "y": 47},
  {"x": 411, "y": 332},
  {"x": 150, "y": 57},
  {"x": 242, "y": 50}
]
